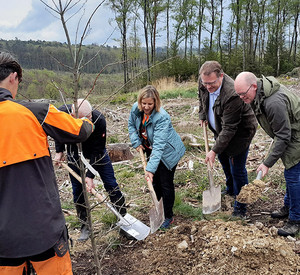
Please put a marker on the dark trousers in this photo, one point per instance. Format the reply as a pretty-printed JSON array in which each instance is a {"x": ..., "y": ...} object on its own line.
[
  {"x": 106, "y": 172},
  {"x": 164, "y": 187},
  {"x": 292, "y": 196},
  {"x": 236, "y": 174}
]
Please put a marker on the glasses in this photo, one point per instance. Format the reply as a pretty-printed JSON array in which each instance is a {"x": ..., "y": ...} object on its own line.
[
  {"x": 243, "y": 94},
  {"x": 209, "y": 83}
]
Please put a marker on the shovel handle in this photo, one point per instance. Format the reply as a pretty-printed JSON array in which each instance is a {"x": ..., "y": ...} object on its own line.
[
  {"x": 210, "y": 175},
  {"x": 259, "y": 174},
  {"x": 149, "y": 182},
  {"x": 76, "y": 176}
]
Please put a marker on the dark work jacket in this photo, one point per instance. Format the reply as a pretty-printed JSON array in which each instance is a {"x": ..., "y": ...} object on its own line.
[
  {"x": 94, "y": 147},
  {"x": 31, "y": 219},
  {"x": 235, "y": 121}
]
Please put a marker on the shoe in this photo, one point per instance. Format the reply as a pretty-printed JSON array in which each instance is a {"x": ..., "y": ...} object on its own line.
[
  {"x": 119, "y": 205},
  {"x": 126, "y": 235},
  {"x": 167, "y": 223},
  {"x": 282, "y": 213},
  {"x": 84, "y": 233},
  {"x": 238, "y": 214},
  {"x": 290, "y": 229},
  {"x": 227, "y": 192}
]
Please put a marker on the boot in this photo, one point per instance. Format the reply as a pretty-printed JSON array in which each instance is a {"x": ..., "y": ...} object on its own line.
[
  {"x": 82, "y": 216},
  {"x": 119, "y": 204},
  {"x": 282, "y": 213},
  {"x": 290, "y": 229},
  {"x": 84, "y": 233}
]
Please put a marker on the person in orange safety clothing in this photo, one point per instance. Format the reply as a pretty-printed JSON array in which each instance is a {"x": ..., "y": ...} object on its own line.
[{"x": 32, "y": 227}]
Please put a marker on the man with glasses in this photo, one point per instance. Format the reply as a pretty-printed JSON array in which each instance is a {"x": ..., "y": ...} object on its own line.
[
  {"x": 233, "y": 124},
  {"x": 278, "y": 112},
  {"x": 32, "y": 224}
]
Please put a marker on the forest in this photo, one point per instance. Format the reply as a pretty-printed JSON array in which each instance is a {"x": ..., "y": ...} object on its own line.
[{"x": 261, "y": 36}]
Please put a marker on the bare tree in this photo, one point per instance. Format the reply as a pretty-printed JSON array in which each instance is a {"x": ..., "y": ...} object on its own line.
[{"x": 63, "y": 10}]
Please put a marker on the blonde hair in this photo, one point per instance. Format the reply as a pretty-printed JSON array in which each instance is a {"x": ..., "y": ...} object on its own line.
[{"x": 149, "y": 92}]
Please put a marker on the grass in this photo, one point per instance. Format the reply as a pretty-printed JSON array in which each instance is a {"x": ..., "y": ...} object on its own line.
[{"x": 186, "y": 210}]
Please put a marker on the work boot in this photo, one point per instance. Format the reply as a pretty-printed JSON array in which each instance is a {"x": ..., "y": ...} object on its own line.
[
  {"x": 238, "y": 214},
  {"x": 84, "y": 233},
  {"x": 290, "y": 229},
  {"x": 282, "y": 213},
  {"x": 82, "y": 216},
  {"x": 119, "y": 204}
]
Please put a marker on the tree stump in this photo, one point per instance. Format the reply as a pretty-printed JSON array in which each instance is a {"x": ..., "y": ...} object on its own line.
[{"x": 119, "y": 152}]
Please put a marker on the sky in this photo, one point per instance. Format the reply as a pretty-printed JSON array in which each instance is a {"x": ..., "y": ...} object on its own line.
[{"x": 31, "y": 20}]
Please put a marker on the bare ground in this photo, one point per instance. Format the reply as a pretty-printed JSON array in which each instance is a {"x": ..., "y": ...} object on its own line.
[{"x": 215, "y": 244}]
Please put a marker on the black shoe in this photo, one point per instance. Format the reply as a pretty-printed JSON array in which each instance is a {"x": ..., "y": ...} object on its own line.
[
  {"x": 228, "y": 193},
  {"x": 238, "y": 214},
  {"x": 119, "y": 204},
  {"x": 290, "y": 229},
  {"x": 126, "y": 235},
  {"x": 282, "y": 213},
  {"x": 84, "y": 233}
]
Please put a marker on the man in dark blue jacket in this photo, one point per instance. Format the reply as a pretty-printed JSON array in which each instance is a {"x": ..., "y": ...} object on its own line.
[{"x": 93, "y": 149}]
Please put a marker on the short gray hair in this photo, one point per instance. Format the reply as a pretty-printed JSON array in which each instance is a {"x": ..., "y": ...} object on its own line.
[{"x": 84, "y": 108}]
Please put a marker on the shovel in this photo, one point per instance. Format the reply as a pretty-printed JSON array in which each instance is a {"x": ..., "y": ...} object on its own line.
[
  {"x": 156, "y": 213},
  {"x": 211, "y": 198},
  {"x": 251, "y": 192},
  {"x": 128, "y": 223}
]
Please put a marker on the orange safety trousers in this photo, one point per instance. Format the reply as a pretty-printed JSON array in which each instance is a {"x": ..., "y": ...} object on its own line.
[{"x": 54, "y": 265}]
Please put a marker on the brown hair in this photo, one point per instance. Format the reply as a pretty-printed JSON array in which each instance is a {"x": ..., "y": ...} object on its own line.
[
  {"x": 209, "y": 67},
  {"x": 8, "y": 65},
  {"x": 149, "y": 92}
]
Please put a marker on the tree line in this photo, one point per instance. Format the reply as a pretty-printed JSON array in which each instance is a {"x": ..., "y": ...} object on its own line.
[{"x": 256, "y": 35}]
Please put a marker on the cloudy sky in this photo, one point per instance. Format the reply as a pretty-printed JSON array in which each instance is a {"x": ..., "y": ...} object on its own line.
[{"x": 29, "y": 19}]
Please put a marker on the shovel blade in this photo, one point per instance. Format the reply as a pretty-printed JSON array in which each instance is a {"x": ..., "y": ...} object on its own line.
[
  {"x": 134, "y": 227},
  {"x": 211, "y": 200},
  {"x": 157, "y": 216}
]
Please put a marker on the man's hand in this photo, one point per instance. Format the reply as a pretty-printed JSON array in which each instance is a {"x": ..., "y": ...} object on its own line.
[
  {"x": 203, "y": 122},
  {"x": 263, "y": 168},
  {"x": 210, "y": 157},
  {"x": 89, "y": 184},
  {"x": 59, "y": 157}
]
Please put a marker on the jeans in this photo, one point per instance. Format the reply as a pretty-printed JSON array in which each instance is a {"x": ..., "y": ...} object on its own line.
[
  {"x": 292, "y": 196},
  {"x": 106, "y": 172},
  {"x": 236, "y": 175}
]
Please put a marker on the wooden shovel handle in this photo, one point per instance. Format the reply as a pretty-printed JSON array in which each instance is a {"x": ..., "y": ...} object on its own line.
[
  {"x": 149, "y": 182},
  {"x": 210, "y": 175},
  {"x": 76, "y": 176}
]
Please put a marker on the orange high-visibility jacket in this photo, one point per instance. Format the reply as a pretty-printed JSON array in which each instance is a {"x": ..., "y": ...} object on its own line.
[{"x": 31, "y": 219}]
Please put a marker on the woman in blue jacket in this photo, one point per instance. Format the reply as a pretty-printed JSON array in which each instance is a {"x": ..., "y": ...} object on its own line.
[{"x": 150, "y": 128}]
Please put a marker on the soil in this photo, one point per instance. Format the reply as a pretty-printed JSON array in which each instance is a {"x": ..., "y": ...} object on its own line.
[{"x": 216, "y": 244}]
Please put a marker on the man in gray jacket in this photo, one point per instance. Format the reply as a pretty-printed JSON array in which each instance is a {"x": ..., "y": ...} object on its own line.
[
  {"x": 278, "y": 112},
  {"x": 233, "y": 124}
]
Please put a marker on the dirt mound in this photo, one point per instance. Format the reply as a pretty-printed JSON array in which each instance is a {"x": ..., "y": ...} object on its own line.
[
  {"x": 209, "y": 247},
  {"x": 251, "y": 192}
]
